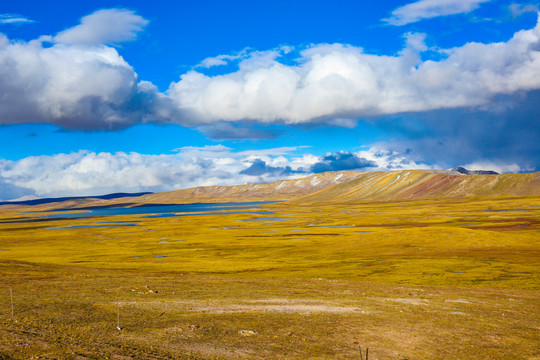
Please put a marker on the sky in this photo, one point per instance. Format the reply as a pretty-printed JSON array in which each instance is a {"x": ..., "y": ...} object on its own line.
[{"x": 105, "y": 96}]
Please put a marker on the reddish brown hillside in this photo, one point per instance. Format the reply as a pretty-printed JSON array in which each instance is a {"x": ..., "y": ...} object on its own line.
[
  {"x": 279, "y": 190},
  {"x": 343, "y": 186},
  {"x": 275, "y": 191},
  {"x": 416, "y": 184}
]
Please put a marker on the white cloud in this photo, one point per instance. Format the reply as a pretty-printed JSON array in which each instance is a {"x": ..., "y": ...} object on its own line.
[
  {"x": 14, "y": 19},
  {"x": 206, "y": 149},
  {"x": 341, "y": 81},
  {"x": 81, "y": 84},
  {"x": 64, "y": 84},
  {"x": 107, "y": 26},
  {"x": 222, "y": 59},
  {"x": 386, "y": 159},
  {"x": 427, "y": 9},
  {"x": 90, "y": 173},
  {"x": 501, "y": 168},
  {"x": 214, "y": 61},
  {"x": 520, "y": 9},
  {"x": 271, "y": 152}
]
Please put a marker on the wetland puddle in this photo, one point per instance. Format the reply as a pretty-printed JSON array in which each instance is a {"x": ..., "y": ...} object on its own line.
[
  {"x": 266, "y": 219},
  {"x": 332, "y": 226}
]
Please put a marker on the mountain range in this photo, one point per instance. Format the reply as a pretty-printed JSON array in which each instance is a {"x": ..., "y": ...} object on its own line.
[{"x": 328, "y": 187}]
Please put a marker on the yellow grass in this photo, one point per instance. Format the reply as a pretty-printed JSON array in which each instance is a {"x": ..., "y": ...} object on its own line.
[{"x": 453, "y": 279}]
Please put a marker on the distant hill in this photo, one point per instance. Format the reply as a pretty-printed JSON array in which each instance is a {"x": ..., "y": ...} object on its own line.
[
  {"x": 418, "y": 184},
  {"x": 462, "y": 170},
  {"x": 274, "y": 191},
  {"x": 40, "y": 201},
  {"x": 340, "y": 186}
]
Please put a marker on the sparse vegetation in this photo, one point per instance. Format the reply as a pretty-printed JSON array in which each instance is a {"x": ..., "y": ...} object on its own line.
[{"x": 425, "y": 279}]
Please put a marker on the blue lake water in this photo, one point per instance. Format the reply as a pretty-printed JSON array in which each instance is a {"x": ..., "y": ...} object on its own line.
[
  {"x": 160, "y": 210},
  {"x": 209, "y": 213}
]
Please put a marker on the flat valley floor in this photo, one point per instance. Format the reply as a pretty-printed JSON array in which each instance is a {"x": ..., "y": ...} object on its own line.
[{"x": 431, "y": 279}]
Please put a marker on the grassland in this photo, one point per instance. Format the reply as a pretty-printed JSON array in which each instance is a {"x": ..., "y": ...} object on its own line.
[{"x": 423, "y": 279}]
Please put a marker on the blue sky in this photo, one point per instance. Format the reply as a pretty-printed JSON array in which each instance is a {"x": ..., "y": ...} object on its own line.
[{"x": 102, "y": 96}]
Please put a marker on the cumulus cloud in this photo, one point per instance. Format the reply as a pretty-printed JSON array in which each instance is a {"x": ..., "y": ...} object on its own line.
[
  {"x": 14, "y": 19},
  {"x": 342, "y": 81},
  {"x": 384, "y": 158},
  {"x": 341, "y": 161},
  {"x": 72, "y": 87},
  {"x": 259, "y": 167},
  {"x": 107, "y": 26},
  {"x": 427, "y": 9},
  {"x": 85, "y": 173},
  {"x": 89, "y": 173},
  {"x": 77, "y": 83}
]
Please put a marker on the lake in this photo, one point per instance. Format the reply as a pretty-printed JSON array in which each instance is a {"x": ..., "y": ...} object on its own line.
[{"x": 157, "y": 209}]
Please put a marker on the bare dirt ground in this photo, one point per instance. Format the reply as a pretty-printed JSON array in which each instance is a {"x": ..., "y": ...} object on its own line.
[{"x": 218, "y": 317}]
